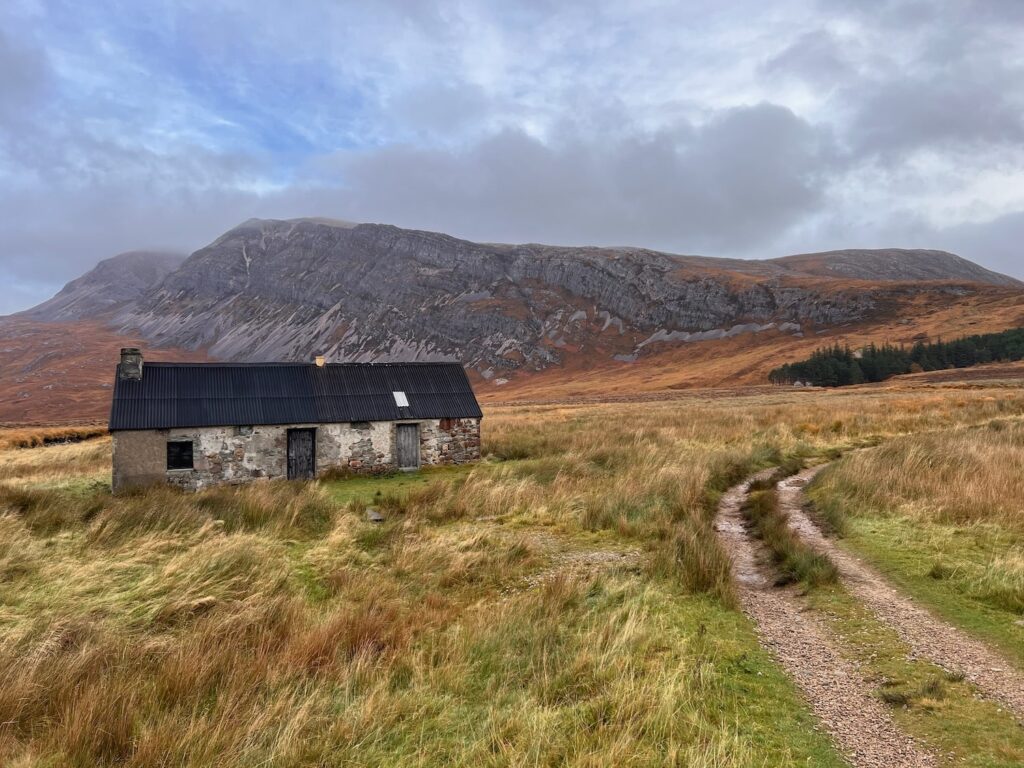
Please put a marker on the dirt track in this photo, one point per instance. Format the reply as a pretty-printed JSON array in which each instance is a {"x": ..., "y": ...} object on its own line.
[
  {"x": 833, "y": 686},
  {"x": 928, "y": 637}
]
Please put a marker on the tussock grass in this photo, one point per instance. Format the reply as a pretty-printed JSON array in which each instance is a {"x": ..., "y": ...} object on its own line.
[
  {"x": 32, "y": 437},
  {"x": 272, "y": 624},
  {"x": 961, "y": 476},
  {"x": 286, "y": 508},
  {"x": 697, "y": 561},
  {"x": 924, "y": 695},
  {"x": 960, "y": 488}
]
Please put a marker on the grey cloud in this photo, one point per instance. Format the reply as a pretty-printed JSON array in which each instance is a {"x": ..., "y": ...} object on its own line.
[
  {"x": 93, "y": 198},
  {"x": 932, "y": 74},
  {"x": 742, "y": 178},
  {"x": 53, "y": 236},
  {"x": 816, "y": 56},
  {"x": 903, "y": 13},
  {"x": 25, "y": 77},
  {"x": 443, "y": 112},
  {"x": 999, "y": 242},
  {"x": 906, "y": 114}
]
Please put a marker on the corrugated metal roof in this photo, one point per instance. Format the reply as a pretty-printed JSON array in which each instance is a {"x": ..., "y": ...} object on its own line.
[{"x": 225, "y": 394}]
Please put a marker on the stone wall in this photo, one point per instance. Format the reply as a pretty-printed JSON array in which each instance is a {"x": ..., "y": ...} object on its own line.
[
  {"x": 230, "y": 455},
  {"x": 450, "y": 441}
]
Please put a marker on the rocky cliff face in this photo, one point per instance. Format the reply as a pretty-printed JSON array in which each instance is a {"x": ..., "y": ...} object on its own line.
[
  {"x": 110, "y": 284},
  {"x": 283, "y": 290},
  {"x": 289, "y": 290}
]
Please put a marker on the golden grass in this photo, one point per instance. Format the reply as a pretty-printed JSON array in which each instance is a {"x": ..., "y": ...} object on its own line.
[
  {"x": 270, "y": 625},
  {"x": 31, "y": 437},
  {"x": 958, "y": 476},
  {"x": 955, "y": 496},
  {"x": 57, "y": 463}
]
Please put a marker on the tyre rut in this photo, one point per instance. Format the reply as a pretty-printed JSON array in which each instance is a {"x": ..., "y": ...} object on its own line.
[
  {"x": 807, "y": 650},
  {"x": 927, "y": 636}
]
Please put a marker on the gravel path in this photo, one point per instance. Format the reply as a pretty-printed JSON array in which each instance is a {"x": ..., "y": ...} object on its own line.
[
  {"x": 834, "y": 687},
  {"x": 928, "y": 637}
]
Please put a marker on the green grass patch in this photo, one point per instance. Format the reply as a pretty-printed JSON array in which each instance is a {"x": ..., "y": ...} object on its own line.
[
  {"x": 953, "y": 570},
  {"x": 741, "y": 680},
  {"x": 368, "y": 489}
]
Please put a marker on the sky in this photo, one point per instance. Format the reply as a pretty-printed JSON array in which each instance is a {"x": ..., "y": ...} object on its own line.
[{"x": 743, "y": 129}]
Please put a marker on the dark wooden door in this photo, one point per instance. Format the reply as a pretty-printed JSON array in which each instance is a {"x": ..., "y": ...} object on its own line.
[
  {"x": 301, "y": 453},
  {"x": 408, "y": 440}
]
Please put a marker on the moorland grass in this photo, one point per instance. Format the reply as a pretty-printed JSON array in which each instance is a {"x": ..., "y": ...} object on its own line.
[
  {"x": 273, "y": 624},
  {"x": 32, "y": 437},
  {"x": 57, "y": 464},
  {"x": 939, "y": 513}
]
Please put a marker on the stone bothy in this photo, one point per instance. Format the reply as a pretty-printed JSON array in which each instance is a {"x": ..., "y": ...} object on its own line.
[{"x": 195, "y": 425}]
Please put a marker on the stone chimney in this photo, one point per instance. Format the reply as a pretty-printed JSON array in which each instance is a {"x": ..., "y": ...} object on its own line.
[{"x": 131, "y": 364}]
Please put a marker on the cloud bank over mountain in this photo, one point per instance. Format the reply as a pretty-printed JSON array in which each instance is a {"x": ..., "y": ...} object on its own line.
[{"x": 741, "y": 129}]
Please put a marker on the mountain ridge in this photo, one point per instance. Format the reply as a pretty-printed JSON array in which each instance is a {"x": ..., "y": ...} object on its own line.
[
  {"x": 273, "y": 289},
  {"x": 860, "y": 263},
  {"x": 529, "y": 321},
  {"x": 111, "y": 283}
]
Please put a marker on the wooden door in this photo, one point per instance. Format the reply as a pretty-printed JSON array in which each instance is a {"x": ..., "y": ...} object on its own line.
[
  {"x": 301, "y": 453},
  {"x": 407, "y": 437}
]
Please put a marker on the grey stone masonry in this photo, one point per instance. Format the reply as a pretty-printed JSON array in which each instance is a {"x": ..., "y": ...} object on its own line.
[
  {"x": 232, "y": 455},
  {"x": 450, "y": 441}
]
